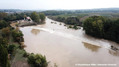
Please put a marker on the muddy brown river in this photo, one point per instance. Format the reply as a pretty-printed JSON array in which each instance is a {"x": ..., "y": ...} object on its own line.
[{"x": 68, "y": 47}]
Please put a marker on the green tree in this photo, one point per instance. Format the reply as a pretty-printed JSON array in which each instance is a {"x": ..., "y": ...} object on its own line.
[
  {"x": 3, "y": 24},
  {"x": 37, "y": 60},
  {"x": 11, "y": 48},
  {"x": 17, "y": 35},
  {"x": 94, "y": 26},
  {"x": 3, "y": 41},
  {"x": 35, "y": 17},
  {"x": 101, "y": 27},
  {"x": 3, "y": 57},
  {"x": 73, "y": 21},
  {"x": 3, "y": 15},
  {"x": 6, "y": 32},
  {"x": 42, "y": 17}
]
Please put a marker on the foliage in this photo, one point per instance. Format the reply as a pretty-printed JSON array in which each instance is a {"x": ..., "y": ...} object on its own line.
[
  {"x": 3, "y": 57},
  {"x": 94, "y": 26},
  {"x": 26, "y": 54},
  {"x": 37, "y": 60},
  {"x": 75, "y": 27},
  {"x": 11, "y": 48},
  {"x": 38, "y": 18},
  {"x": 17, "y": 35},
  {"x": 3, "y": 15},
  {"x": 10, "y": 18},
  {"x": 70, "y": 26},
  {"x": 69, "y": 20},
  {"x": 15, "y": 16},
  {"x": 42, "y": 17},
  {"x": 3, "y": 41},
  {"x": 3, "y": 24},
  {"x": 35, "y": 17},
  {"x": 101, "y": 27},
  {"x": 72, "y": 21},
  {"x": 6, "y": 32}
]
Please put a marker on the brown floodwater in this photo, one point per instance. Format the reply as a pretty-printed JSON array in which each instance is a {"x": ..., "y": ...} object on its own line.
[{"x": 68, "y": 47}]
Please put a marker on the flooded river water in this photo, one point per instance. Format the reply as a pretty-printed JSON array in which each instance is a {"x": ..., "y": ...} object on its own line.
[{"x": 67, "y": 47}]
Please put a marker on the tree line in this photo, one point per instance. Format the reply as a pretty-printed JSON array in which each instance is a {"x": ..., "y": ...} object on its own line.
[
  {"x": 73, "y": 22},
  {"x": 102, "y": 27},
  {"x": 10, "y": 42}
]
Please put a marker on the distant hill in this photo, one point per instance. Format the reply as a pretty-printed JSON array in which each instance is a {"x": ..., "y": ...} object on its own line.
[{"x": 48, "y": 12}]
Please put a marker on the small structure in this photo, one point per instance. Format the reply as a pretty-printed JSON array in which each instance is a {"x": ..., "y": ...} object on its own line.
[
  {"x": 25, "y": 20},
  {"x": 28, "y": 19}
]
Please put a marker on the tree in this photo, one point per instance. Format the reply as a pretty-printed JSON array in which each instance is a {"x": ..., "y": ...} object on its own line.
[
  {"x": 101, "y": 27},
  {"x": 3, "y": 15},
  {"x": 42, "y": 17},
  {"x": 35, "y": 17},
  {"x": 94, "y": 26},
  {"x": 17, "y": 35},
  {"x": 3, "y": 24},
  {"x": 3, "y": 41},
  {"x": 73, "y": 21},
  {"x": 11, "y": 48},
  {"x": 6, "y": 32},
  {"x": 37, "y": 60},
  {"x": 3, "y": 57}
]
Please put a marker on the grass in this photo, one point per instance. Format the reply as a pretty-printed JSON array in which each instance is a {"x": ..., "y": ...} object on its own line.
[{"x": 19, "y": 55}]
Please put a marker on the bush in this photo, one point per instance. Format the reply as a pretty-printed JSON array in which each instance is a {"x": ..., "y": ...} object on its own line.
[
  {"x": 75, "y": 27},
  {"x": 70, "y": 26},
  {"x": 26, "y": 54},
  {"x": 37, "y": 60},
  {"x": 11, "y": 48},
  {"x": 17, "y": 35}
]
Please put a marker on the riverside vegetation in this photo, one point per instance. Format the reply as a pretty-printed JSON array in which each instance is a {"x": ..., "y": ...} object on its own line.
[
  {"x": 100, "y": 23},
  {"x": 101, "y": 27},
  {"x": 11, "y": 43}
]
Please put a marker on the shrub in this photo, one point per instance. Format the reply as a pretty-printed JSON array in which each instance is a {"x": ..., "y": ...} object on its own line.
[
  {"x": 11, "y": 48},
  {"x": 37, "y": 60}
]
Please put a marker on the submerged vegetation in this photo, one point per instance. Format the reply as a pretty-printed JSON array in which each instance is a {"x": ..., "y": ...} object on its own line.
[{"x": 72, "y": 22}]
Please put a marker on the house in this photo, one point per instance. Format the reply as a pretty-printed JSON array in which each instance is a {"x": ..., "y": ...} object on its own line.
[{"x": 28, "y": 19}]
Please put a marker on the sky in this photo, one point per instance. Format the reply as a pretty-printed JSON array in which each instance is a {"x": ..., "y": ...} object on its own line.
[{"x": 57, "y": 4}]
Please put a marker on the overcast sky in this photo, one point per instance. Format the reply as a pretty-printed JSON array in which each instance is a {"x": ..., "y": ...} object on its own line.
[{"x": 58, "y": 4}]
